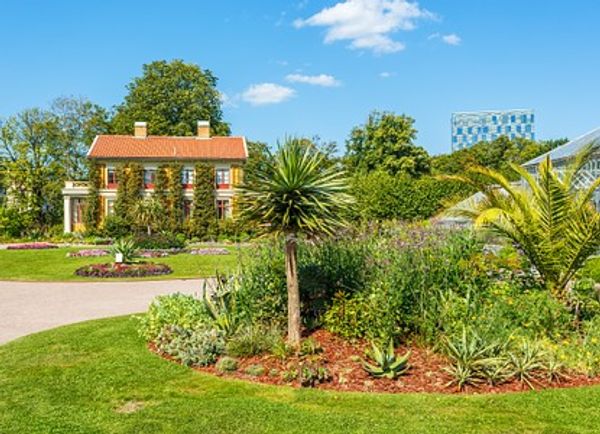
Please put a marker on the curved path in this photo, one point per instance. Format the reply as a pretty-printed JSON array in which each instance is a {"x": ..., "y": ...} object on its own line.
[{"x": 29, "y": 307}]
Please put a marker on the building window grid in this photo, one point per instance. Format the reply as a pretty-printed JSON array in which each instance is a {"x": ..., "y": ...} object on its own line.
[{"x": 469, "y": 129}]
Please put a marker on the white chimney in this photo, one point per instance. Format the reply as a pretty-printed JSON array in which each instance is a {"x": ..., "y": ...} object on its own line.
[
  {"x": 140, "y": 130},
  {"x": 203, "y": 130}
]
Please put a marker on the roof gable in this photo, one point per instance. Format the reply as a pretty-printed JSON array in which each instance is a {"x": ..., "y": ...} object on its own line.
[{"x": 169, "y": 148}]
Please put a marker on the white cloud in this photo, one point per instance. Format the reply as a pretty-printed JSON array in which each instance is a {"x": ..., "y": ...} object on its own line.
[
  {"x": 228, "y": 101},
  {"x": 267, "y": 93},
  {"x": 367, "y": 24},
  {"x": 452, "y": 39},
  {"x": 386, "y": 74},
  {"x": 317, "y": 80}
]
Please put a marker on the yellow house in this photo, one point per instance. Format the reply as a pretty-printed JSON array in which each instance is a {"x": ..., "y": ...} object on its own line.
[{"x": 226, "y": 154}]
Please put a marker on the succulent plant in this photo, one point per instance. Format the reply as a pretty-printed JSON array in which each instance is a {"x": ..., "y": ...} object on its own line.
[{"x": 385, "y": 363}]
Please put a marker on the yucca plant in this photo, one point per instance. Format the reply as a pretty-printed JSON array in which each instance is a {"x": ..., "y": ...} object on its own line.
[
  {"x": 551, "y": 220},
  {"x": 385, "y": 362},
  {"x": 526, "y": 362},
  {"x": 126, "y": 248},
  {"x": 220, "y": 304},
  {"x": 296, "y": 193},
  {"x": 474, "y": 360}
]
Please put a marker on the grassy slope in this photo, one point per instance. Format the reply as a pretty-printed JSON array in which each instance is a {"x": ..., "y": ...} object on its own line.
[
  {"x": 71, "y": 380},
  {"x": 53, "y": 265}
]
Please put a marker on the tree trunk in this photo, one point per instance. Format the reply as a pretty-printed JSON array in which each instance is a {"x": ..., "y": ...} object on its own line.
[
  {"x": 149, "y": 230},
  {"x": 291, "y": 273}
]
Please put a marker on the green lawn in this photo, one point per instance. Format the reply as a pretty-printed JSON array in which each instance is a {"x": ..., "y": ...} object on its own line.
[
  {"x": 80, "y": 378},
  {"x": 53, "y": 265}
]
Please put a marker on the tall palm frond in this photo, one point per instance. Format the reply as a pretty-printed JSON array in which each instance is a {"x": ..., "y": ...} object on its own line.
[
  {"x": 548, "y": 215},
  {"x": 296, "y": 192}
]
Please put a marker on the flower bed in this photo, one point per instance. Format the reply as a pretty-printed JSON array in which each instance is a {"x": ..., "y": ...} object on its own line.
[
  {"x": 342, "y": 359},
  {"x": 31, "y": 246},
  {"x": 153, "y": 254},
  {"x": 87, "y": 253},
  {"x": 210, "y": 251},
  {"x": 139, "y": 269}
]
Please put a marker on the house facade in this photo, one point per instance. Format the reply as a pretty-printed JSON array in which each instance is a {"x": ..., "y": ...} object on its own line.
[{"x": 226, "y": 154}]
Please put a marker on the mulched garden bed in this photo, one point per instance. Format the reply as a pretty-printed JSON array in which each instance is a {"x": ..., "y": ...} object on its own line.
[
  {"x": 137, "y": 269},
  {"x": 341, "y": 358}
]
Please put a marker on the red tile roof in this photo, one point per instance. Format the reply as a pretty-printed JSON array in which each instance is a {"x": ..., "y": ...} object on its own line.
[{"x": 169, "y": 148}]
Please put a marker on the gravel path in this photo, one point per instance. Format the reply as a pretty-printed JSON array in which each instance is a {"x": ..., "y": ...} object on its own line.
[{"x": 29, "y": 307}]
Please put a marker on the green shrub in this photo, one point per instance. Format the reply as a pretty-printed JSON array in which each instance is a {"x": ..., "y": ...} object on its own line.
[
  {"x": 585, "y": 299},
  {"x": 256, "y": 370},
  {"x": 177, "y": 309},
  {"x": 115, "y": 227},
  {"x": 312, "y": 374},
  {"x": 281, "y": 349},
  {"x": 227, "y": 364},
  {"x": 252, "y": 341},
  {"x": 13, "y": 224},
  {"x": 200, "y": 347},
  {"x": 381, "y": 196},
  {"x": 310, "y": 347},
  {"x": 159, "y": 241}
]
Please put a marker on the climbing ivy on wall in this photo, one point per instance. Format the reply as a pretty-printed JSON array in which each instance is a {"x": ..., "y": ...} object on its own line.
[
  {"x": 175, "y": 197},
  {"x": 93, "y": 208},
  {"x": 130, "y": 179},
  {"x": 203, "y": 221},
  {"x": 161, "y": 184}
]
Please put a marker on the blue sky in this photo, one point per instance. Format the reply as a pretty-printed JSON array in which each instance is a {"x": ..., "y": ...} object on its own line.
[{"x": 311, "y": 67}]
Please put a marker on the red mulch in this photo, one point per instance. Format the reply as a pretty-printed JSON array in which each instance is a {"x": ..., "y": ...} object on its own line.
[{"x": 339, "y": 356}]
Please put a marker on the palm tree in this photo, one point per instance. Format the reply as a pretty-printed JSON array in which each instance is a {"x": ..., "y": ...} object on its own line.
[
  {"x": 296, "y": 193},
  {"x": 548, "y": 216},
  {"x": 147, "y": 212}
]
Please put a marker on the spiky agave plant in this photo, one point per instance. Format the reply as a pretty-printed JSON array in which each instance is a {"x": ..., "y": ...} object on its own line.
[
  {"x": 550, "y": 218},
  {"x": 296, "y": 193},
  {"x": 385, "y": 362}
]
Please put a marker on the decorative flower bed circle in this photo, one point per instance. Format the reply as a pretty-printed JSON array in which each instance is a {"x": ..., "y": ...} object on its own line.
[{"x": 138, "y": 269}]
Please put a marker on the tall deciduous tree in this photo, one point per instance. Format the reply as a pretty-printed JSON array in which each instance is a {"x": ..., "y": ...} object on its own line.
[
  {"x": 294, "y": 193},
  {"x": 80, "y": 121},
  {"x": 31, "y": 144},
  {"x": 172, "y": 97},
  {"x": 498, "y": 154},
  {"x": 386, "y": 142}
]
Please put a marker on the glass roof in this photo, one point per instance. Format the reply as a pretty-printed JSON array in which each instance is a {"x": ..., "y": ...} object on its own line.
[{"x": 569, "y": 149}]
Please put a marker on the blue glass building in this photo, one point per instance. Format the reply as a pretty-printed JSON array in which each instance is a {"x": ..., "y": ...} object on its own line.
[{"x": 469, "y": 128}]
